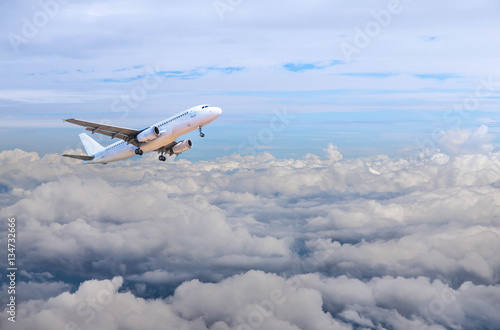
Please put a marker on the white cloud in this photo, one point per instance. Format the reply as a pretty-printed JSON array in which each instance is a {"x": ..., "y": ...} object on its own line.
[
  {"x": 410, "y": 303},
  {"x": 255, "y": 300},
  {"x": 51, "y": 96},
  {"x": 372, "y": 223},
  {"x": 465, "y": 141},
  {"x": 258, "y": 300}
]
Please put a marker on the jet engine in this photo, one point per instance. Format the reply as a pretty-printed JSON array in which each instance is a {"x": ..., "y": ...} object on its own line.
[
  {"x": 148, "y": 134},
  {"x": 182, "y": 146}
]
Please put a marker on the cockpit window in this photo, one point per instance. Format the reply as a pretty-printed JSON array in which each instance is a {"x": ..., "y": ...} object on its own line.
[{"x": 205, "y": 106}]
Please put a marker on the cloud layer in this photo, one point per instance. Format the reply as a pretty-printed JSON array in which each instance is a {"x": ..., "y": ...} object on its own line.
[
  {"x": 365, "y": 242},
  {"x": 258, "y": 300}
]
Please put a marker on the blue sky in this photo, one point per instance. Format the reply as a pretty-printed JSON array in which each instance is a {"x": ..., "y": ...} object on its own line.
[
  {"x": 357, "y": 134},
  {"x": 134, "y": 64}
]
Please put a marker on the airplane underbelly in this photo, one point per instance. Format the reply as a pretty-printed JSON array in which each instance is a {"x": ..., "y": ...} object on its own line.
[
  {"x": 119, "y": 154},
  {"x": 185, "y": 129},
  {"x": 159, "y": 142}
]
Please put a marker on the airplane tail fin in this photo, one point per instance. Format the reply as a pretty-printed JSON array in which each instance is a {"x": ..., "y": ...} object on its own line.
[{"x": 91, "y": 146}]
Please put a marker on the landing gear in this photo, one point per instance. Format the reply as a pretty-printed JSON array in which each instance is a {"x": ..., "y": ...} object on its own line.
[
  {"x": 162, "y": 158},
  {"x": 201, "y": 133},
  {"x": 138, "y": 152}
]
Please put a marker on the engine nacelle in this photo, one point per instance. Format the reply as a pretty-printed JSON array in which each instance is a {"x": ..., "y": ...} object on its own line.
[
  {"x": 148, "y": 134},
  {"x": 182, "y": 146}
]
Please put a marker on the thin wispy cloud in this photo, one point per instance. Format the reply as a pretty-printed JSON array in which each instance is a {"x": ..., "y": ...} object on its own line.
[
  {"x": 188, "y": 43},
  {"x": 438, "y": 76}
]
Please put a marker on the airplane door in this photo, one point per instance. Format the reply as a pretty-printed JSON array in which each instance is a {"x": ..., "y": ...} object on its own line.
[{"x": 193, "y": 113}]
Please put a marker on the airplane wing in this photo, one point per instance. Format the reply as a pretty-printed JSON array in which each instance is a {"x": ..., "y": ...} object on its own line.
[
  {"x": 126, "y": 134},
  {"x": 81, "y": 157}
]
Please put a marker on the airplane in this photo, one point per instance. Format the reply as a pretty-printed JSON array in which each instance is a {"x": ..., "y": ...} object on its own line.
[{"x": 160, "y": 137}]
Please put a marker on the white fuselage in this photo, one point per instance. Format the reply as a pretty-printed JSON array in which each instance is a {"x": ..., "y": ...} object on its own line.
[{"x": 170, "y": 129}]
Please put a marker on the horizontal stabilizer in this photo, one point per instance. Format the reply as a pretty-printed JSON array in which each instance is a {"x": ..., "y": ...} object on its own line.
[{"x": 81, "y": 157}]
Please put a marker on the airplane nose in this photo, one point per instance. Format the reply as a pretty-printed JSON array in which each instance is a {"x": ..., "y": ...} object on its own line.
[{"x": 216, "y": 110}]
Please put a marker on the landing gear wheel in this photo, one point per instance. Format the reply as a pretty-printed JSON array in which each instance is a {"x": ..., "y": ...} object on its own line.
[
  {"x": 162, "y": 158},
  {"x": 201, "y": 133},
  {"x": 138, "y": 152}
]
